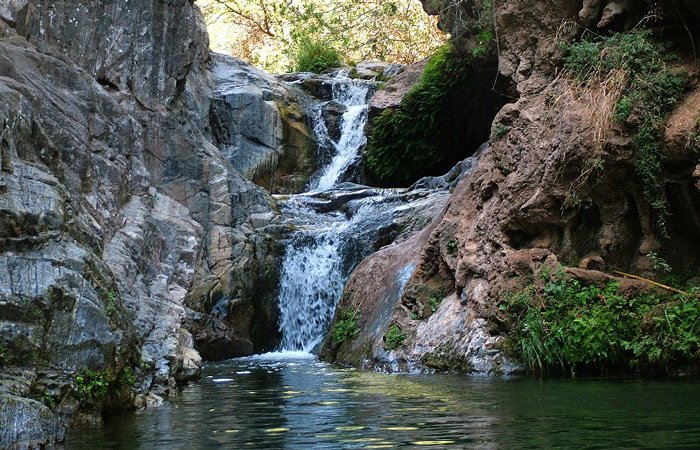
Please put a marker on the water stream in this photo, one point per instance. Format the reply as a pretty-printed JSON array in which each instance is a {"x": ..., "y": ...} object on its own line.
[{"x": 313, "y": 274}]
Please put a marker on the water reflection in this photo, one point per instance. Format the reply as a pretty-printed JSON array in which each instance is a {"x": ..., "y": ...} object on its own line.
[{"x": 301, "y": 403}]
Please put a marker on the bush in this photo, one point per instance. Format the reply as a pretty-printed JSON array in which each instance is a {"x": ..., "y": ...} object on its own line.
[
  {"x": 92, "y": 386},
  {"x": 394, "y": 337},
  {"x": 651, "y": 90},
  {"x": 414, "y": 139},
  {"x": 566, "y": 326},
  {"x": 345, "y": 326},
  {"x": 315, "y": 56}
]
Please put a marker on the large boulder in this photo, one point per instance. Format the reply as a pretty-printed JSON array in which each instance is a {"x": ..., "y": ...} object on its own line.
[{"x": 262, "y": 126}]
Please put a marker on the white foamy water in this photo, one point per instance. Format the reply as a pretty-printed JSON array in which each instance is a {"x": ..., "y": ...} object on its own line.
[{"x": 353, "y": 95}]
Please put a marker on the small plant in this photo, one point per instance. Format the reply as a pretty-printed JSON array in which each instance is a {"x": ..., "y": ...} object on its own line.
[
  {"x": 91, "y": 386},
  {"x": 452, "y": 247},
  {"x": 499, "y": 131},
  {"x": 111, "y": 305},
  {"x": 483, "y": 40},
  {"x": 3, "y": 355},
  {"x": 394, "y": 338},
  {"x": 435, "y": 303},
  {"x": 659, "y": 264},
  {"x": 49, "y": 401},
  {"x": 126, "y": 380},
  {"x": 315, "y": 55},
  {"x": 345, "y": 327}
]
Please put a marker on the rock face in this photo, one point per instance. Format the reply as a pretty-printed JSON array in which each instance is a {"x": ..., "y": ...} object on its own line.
[
  {"x": 262, "y": 126},
  {"x": 527, "y": 202},
  {"x": 119, "y": 220}
]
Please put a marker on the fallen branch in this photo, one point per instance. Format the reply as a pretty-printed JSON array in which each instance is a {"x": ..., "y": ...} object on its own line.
[{"x": 651, "y": 282}]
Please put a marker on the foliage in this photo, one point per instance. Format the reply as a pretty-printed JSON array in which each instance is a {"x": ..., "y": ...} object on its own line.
[
  {"x": 345, "y": 326},
  {"x": 394, "y": 337},
  {"x": 92, "y": 386},
  {"x": 3, "y": 355},
  {"x": 499, "y": 131},
  {"x": 111, "y": 305},
  {"x": 435, "y": 303},
  {"x": 452, "y": 247},
  {"x": 408, "y": 142},
  {"x": 650, "y": 92},
  {"x": 126, "y": 380},
  {"x": 658, "y": 263},
  {"x": 49, "y": 401},
  {"x": 568, "y": 326},
  {"x": 316, "y": 56},
  {"x": 265, "y": 32},
  {"x": 673, "y": 336}
]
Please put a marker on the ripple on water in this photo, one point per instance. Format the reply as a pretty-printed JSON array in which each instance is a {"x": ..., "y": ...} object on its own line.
[{"x": 336, "y": 409}]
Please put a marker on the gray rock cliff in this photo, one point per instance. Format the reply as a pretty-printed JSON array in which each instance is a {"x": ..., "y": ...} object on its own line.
[{"x": 119, "y": 220}]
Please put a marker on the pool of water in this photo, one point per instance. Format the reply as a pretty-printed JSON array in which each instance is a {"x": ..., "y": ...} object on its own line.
[{"x": 298, "y": 402}]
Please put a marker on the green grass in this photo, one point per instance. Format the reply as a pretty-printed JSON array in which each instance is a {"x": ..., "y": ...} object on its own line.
[
  {"x": 650, "y": 92},
  {"x": 561, "y": 325}
]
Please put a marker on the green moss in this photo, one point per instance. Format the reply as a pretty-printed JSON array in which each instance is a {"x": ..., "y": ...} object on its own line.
[
  {"x": 650, "y": 91},
  {"x": 414, "y": 139},
  {"x": 394, "y": 338},
  {"x": 561, "y": 324},
  {"x": 345, "y": 326}
]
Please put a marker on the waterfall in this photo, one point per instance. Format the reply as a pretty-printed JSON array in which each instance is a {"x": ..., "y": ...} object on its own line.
[
  {"x": 312, "y": 276},
  {"x": 353, "y": 94}
]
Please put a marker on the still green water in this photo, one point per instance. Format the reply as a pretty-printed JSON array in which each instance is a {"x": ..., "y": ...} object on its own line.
[{"x": 274, "y": 403}]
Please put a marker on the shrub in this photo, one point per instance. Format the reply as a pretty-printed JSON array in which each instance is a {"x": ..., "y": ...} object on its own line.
[
  {"x": 414, "y": 139},
  {"x": 566, "y": 326},
  {"x": 394, "y": 338},
  {"x": 91, "y": 386},
  {"x": 651, "y": 90},
  {"x": 345, "y": 326},
  {"x": 315, "y": 56}
]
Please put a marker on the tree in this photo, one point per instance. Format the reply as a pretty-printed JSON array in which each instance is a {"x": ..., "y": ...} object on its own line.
[{"x": 266, "y": 32}]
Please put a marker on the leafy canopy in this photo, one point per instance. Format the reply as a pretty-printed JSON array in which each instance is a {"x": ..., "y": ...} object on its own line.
[{"x": 269, "y": 33}]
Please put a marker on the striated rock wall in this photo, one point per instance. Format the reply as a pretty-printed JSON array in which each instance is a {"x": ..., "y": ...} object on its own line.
[
  {"x": 119, "y": 220},
  {"x": 529, "y": 201}
]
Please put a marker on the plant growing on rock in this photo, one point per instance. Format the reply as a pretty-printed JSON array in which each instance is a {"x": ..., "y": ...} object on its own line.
[
  {"x": 92, "y": 386},
  {"x": 561, "y": 324},
  {"x": 345, "y": 327},
  {"x": 394, "y": 338},
  {"x": 407, "y": 142},
  {"x": 649, "y": 90}
]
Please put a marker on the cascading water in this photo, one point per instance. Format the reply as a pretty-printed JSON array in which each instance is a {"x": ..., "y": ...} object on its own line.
[
  {"x": 312, "y": 276},
  {"x": 336, "y": 225},
  {"x": 353, "y": 94}
]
